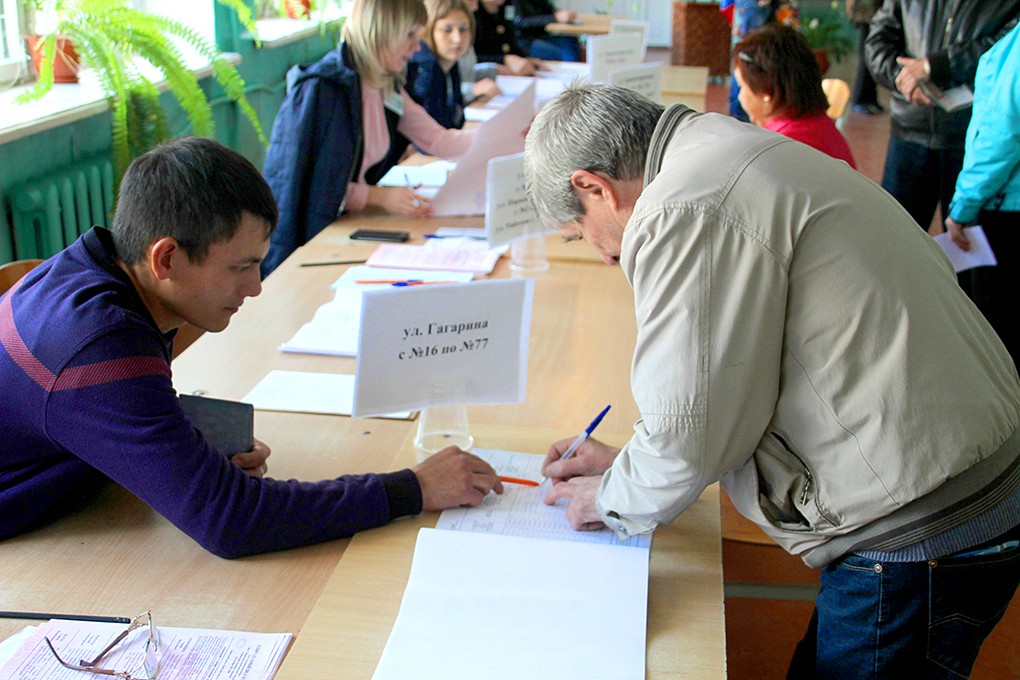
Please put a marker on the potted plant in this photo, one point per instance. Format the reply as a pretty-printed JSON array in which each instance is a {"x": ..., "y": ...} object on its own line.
[
  {"x": 825, "y": 34},
  {"x": 114, "y": 39},
  {"x": 325, "y": 11}
]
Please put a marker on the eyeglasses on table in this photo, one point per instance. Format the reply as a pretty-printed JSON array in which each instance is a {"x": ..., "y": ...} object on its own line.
[{"x": 148, "y": 666}]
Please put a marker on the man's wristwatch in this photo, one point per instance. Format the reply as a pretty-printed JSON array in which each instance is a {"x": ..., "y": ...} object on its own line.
[{"x": 926, "y": 65}]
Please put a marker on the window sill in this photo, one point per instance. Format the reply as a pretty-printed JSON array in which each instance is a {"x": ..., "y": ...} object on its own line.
[
  {"x": 66, "y": 104},
  {"x": 282, "y": 31}
]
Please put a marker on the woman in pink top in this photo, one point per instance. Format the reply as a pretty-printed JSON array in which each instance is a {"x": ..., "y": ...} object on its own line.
[{"x": 781, "y": 89}]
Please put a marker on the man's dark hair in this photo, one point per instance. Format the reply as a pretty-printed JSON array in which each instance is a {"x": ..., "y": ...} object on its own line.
[{"x": 191, "y": 189}]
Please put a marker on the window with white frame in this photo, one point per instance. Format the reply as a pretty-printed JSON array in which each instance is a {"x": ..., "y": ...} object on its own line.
[
  {"x": 197, "y": 14},
  {"x": 12, "y": 52}
]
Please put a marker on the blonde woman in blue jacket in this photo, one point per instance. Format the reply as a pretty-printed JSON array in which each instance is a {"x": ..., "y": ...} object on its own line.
[{"x": 988, "y": 187}]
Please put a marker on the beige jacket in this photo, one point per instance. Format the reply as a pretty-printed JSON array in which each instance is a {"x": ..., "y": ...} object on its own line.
[{"x": 800, "y": 338}]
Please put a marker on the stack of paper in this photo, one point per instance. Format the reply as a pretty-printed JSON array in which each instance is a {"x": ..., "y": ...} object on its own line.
[
  {"x": 489, "y": 600},
  {"x": 334, "y": 328},
  {"x": 336, "y": 325},
  {"x": 187, "y": 653}
]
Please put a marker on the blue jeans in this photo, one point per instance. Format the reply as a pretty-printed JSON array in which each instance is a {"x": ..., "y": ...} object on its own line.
[
  {"x": 906, "y": 619},
  {"x": 920, "y": 178}
]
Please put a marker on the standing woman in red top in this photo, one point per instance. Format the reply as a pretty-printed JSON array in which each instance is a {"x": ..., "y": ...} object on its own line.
[{"x": 781, "y": 89}]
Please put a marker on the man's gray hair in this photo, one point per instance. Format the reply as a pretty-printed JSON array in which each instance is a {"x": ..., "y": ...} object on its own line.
[{"x": 599, "y": 128}]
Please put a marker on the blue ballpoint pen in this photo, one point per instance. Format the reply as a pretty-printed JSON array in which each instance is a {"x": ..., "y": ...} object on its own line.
[
  {"x": 581, "y": 438},
  {"x": 411, "y": 188}
]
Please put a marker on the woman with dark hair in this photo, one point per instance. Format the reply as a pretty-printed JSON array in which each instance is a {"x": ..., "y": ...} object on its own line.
[{"x": 781, "y": 89}]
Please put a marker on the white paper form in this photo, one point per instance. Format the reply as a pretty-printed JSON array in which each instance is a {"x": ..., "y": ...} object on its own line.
[
  {"x": 480, "y": 114},
  {"x": 306, "y": 392},
  {"x": 432, "y": 174},
  {"x": 566, "y": 71},
  {"x": 350, "y": 278},
  {"x": 979, "y": 255},
  {"x": 545, "y": 88},
  {"x": 188, "y": 652},
  {"x": 521, "y": 510},
  {"x": 445, "y": 344},
  {"x": 507, "y": 607},
  {"x": 501, "y": 135},
  {"x": 399, "y": 256}
]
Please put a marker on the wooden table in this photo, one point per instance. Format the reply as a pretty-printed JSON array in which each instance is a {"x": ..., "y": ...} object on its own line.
[
  {"x": 684, "y": 85},
  {"x": 585, "y": 24},
  {"x": 116, "y": 556},
  {"x": 350, "y": 624}
]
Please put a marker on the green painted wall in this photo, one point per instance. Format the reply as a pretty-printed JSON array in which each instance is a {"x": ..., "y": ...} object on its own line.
[{"x": 263, "y": 69}]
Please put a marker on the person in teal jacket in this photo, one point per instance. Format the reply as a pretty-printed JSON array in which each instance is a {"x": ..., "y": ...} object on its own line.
[{"x": 988, "y": 187}]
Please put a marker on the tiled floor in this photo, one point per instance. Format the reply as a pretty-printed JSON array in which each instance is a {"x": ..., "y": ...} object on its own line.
[{"x": 768, "y": 590}]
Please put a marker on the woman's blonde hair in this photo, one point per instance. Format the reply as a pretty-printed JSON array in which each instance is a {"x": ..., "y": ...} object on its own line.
[
  {"x": 440, "y": 9},
  {"x": 372, "y": 28}
]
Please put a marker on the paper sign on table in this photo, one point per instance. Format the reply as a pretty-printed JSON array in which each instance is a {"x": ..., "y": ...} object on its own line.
[
  {"x": 443, "y": 344},
  {"x": 607, "y": 52},
  {"x": 509, "y": 212},
  {"x": 631, "y": 27},
  {"x": 502, "y": 135},
  {"x": 645, "y": 79}
]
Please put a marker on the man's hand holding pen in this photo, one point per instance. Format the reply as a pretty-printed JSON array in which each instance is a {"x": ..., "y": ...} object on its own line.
[{"x": 577, "y": 479}]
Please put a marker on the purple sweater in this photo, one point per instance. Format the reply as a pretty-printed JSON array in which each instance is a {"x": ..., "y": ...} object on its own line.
[{"x": 86, "y": 388}]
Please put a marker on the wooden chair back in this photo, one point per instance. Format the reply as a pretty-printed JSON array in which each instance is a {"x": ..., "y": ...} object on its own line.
[
  {"x": 12, "y": 272},
  {"x": 838, "y": 93}
]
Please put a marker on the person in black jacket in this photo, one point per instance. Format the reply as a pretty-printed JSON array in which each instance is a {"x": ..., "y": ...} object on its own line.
[
  {"x": 865, "y": 91},
  {"x": 496, "y": 39},
  {"x": 913, "y": 47},
  {"x": 530, "y": 19}
]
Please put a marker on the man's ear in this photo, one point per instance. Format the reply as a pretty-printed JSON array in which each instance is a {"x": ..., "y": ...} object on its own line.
[
  {"x": 163, "y": 255},
  {"x": 593, "y": 186}
]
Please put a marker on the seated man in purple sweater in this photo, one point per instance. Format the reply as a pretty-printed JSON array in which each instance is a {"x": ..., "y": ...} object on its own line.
[{"x": 85, "y": 348}]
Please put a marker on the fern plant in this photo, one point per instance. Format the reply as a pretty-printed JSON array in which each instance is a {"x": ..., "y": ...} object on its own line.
[{"x": 113, "y": 39}]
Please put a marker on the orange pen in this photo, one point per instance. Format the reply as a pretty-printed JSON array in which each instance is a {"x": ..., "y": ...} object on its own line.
[{"x": 518, "y": 480}]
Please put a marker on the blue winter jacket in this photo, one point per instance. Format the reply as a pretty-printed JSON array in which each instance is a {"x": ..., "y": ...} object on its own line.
[
  {"x": 990, "y": 179},
  {"x": 316, "y": 150},
  {"x": 431, "y": 87}
]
